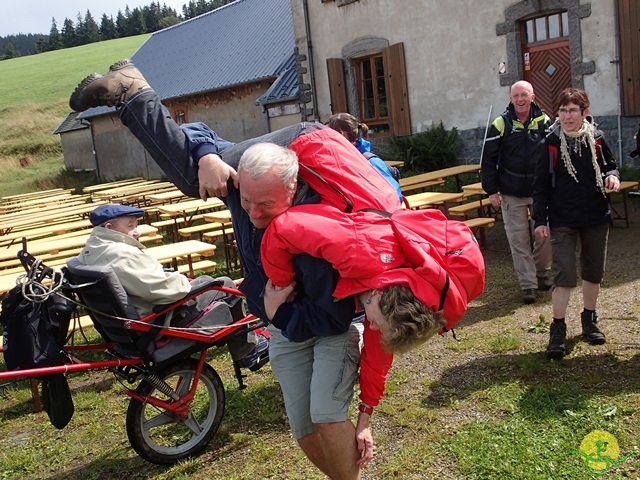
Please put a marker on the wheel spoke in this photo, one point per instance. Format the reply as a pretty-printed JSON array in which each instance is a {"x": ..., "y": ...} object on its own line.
[
  {"x": 193, "y": 424},
  {"x": 184, "y": 383},
  {"x": 163, "y": 418}
]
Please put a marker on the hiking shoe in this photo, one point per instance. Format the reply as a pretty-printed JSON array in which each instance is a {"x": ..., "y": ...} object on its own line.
[
  {"x": 545, "y": 283},
  {"x": 258, "y": 357},
  {"x": 557, "y": 336},
  {"x": 110, "y": 90},
  {"x": 528, "y": 295},
  {"x": 590, "y": 330}
]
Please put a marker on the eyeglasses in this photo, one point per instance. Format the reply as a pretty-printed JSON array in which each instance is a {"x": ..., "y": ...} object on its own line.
[
  {"x": 524, "y": 96},
  {"x": 569, "y": 111}
]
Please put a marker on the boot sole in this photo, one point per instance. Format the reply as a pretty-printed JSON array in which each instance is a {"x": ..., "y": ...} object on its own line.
[
  {"x": 81, "y": 86},
  {"x": 597, "y": 341},
  {"x": 120, "y": 65},
  {"x": 555, "y": 355}
]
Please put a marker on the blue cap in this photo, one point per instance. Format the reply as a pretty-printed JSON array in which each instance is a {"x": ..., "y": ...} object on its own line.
[{"x": 107, "y": 212}]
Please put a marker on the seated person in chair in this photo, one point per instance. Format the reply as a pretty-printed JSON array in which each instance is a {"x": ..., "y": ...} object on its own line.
[{"x": 113, "y": 242}]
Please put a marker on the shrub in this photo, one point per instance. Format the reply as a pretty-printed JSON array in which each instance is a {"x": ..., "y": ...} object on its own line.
[{"x": 432, "y": 149}]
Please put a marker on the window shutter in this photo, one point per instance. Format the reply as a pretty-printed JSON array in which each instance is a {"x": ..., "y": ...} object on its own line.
[
  {"x": 337, "y": 88},
  {"x": 629, "y": 26},
  {"x": 397, "y": 92}
]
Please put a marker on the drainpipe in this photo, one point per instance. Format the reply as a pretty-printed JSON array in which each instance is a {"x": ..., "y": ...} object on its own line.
[
  {"x": 93, "y": 148},
  {"x": 312, "y": 72},
  {"x": 616, "y": 62},
  {"x": 267, "y": 120}
]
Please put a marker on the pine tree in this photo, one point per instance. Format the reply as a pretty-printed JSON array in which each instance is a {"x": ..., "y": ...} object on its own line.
[
  {"x": 55, "y": 40},
  {"x": 121, "y": 25},
  {"x": 90, "y": 31},
  {"x": 108, "y": 28},
  {"x": 136, "y": 23},
  {"x": 68, "y": 34},
  {"x": 10, "y": 52}
]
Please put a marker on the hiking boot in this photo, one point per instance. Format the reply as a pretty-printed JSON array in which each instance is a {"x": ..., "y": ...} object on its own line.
[
  {"x": 590, "y": 330},
  {"x": 528, "y": 295},
  {"x": 545, "y": 283},
  {"x": 557, "y": 336},
  {"x": 258, "y": 357},
  {"x": 110, "y": 90}
]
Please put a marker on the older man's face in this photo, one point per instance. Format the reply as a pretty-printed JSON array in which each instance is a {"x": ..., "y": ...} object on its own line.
[
  {"x": 521, "y": 97},
  {"x": 264, "y": 198}
]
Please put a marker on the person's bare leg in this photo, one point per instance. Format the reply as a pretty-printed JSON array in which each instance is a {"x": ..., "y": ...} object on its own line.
[
  {"x": 311, "y": 445},
  {"x": 590, "y": 292},
  {"x": 560, "y": 299},
  {"x": 339, "y": 447}
]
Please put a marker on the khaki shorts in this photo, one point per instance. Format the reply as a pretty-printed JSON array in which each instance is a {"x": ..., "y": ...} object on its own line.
[
  {"x": 316, "y": 377},
  {"x": 593, "y": 254}
]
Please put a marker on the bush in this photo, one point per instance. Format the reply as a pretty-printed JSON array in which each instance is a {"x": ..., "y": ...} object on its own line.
[{"x": 432, "y": 149}]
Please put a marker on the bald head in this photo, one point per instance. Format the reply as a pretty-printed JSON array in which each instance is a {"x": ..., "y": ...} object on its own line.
[{"x": 521, "y": 97}]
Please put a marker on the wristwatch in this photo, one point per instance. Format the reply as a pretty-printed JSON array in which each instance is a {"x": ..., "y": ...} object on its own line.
[{"x": 365, "y": 409}]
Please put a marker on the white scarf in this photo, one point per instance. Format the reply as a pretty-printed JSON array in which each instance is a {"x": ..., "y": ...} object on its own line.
[{"x": 583, "y": 137}]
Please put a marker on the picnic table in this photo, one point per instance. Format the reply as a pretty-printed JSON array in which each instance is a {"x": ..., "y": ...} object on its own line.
[
  {"x": 49, "y": 216},
  {"x": 428, "y": 199},
  {"x": 394, "y": 163},
  {"x": 44, "y": 231},
  {"x": 117, "y": 183},
  {"x": 31, "y": 195},
  {"x": 425, "y": 179},
  {"x": 187, "y": 209},
  {"x": 117, "y": 194},
  {"x": 223, "y": 218}
]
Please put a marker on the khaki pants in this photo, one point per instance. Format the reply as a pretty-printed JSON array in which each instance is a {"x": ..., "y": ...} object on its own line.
[{"x": 531, "y": 255}]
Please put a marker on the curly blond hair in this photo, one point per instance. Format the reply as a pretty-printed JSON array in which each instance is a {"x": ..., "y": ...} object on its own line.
[{"x": 410, "y": 322}]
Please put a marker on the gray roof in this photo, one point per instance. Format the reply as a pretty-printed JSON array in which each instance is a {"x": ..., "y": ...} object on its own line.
[
  {"x": 285, "y": 87},
  {"x": 70, "y": 123},
  {"x": 242, "y": 42}
]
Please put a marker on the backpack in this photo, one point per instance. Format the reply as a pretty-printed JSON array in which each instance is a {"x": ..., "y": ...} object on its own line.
[
  {"x": 449, "y": 251},
  {"x": 341, "y": 174},
  {"x": 342, "y": 177}
]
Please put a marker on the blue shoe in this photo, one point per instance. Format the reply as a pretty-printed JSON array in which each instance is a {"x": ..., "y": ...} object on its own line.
[{"x": 258, "y": 357}]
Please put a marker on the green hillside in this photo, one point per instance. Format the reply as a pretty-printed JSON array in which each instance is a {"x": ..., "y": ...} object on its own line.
[{"x": 34, "y": 95}]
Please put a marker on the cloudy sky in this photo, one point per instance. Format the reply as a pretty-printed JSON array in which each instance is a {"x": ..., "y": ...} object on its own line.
[{"x": 34, "y": 16}]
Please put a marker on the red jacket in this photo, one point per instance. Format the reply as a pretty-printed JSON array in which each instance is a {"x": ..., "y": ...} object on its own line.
[{"x": 369, "y": 251}]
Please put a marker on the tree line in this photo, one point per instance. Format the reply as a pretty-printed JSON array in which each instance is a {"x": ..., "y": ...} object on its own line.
[{"x": 85, "y": 29}]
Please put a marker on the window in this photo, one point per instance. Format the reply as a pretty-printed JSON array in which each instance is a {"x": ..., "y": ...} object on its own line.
[
  {"x": 372, "y": 93},
  {"x": 545, "y": 28},
  {"x": 378, "y": 85},
  {"x": 179, "y": 114}
]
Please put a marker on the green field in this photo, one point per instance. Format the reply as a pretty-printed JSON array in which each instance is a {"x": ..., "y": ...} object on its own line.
[{"x": 34, "y": 95}]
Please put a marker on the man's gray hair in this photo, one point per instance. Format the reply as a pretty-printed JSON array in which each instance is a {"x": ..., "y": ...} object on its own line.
[{"x": 262, "y": 157}]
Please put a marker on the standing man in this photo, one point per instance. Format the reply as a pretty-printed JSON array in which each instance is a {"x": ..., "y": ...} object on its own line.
[
  {"x": 314, "y": 351},
  {"x": 508, "y": 167}
]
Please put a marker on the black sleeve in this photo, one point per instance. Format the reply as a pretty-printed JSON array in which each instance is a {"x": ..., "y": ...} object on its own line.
[{"x": 542, "y": 185}]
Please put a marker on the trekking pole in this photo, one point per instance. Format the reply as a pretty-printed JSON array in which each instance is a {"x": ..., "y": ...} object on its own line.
[{"x": 486, "y": 130}]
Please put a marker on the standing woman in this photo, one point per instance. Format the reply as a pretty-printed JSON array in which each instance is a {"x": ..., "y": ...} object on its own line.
[{"x": 574, "y": 167}]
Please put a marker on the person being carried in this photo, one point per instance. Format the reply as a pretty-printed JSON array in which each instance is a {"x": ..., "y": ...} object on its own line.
[
  {"x": 575, "y": 167},
  {"x": 113, "y": 243},
  {"x": 508, "y": 166}
]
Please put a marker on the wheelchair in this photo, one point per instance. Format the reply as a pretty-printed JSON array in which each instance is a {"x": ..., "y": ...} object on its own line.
[{"x": 178, "y": 401}]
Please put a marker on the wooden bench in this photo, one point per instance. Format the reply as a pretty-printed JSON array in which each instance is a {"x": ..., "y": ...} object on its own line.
[
  {"x": 481, "y": 206},
  {"x": 625, "y": 186},
  {"x": 477, "y": 226},
  {"x": 202, "y": 265},
  {"x": 200, "y": 229}
]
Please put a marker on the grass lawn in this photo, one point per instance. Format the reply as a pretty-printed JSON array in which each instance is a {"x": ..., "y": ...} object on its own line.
[{"x": 487, "y": 406}]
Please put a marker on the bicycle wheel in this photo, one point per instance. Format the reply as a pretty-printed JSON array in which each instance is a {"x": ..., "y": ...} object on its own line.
[{"x": 164, "y": 438}]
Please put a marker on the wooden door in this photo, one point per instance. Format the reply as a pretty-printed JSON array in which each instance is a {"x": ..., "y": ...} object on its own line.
[{"x": 549, "y": 72}]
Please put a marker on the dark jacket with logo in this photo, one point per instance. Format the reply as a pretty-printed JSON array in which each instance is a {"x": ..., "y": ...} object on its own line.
[{"x": 509, "y": 155}]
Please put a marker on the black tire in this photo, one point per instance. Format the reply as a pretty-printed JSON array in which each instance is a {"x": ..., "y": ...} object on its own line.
[{"x": 162, "y": 438}]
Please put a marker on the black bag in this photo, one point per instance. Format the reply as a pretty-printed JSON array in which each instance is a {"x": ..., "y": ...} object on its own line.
[
  {"x": 34, "y": 333},
  {"x": 56, "y": 400}
]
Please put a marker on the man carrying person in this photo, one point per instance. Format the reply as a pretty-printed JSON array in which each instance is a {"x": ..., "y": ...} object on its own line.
[
  {"x": 508, "y": 166},
  {"x": 313, "y": 340}
]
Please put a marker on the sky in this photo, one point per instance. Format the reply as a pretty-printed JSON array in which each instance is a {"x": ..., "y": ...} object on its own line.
[{"x": 34, "y": 16}]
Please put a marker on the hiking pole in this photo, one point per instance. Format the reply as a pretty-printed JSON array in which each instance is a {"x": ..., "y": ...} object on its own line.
[{"x": 486, "y": 130}]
